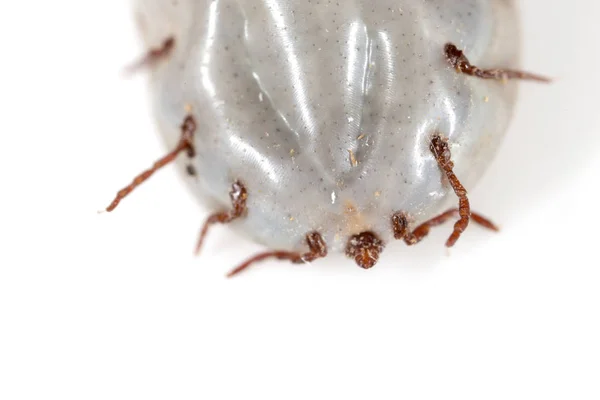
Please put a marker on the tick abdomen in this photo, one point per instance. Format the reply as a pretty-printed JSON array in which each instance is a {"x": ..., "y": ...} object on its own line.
[{"x": 326, "y": 110}]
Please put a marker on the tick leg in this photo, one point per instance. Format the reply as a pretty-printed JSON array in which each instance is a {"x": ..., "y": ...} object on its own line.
[
  {"x": 152, "y": 56},
  {"x": 238, "y": 196},
  {"x": 188, "y": 128},
  {"x": 458, "y": 60},
  {"x": 316, "y": 245},
  {"x": 441, "y": 151},
  {"x": 401, "y": 231}
]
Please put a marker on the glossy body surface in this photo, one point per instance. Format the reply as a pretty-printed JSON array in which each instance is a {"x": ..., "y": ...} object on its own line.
[{"x": 325, "y": 110}]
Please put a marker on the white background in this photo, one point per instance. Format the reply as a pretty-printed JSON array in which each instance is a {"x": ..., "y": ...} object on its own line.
[{"x": 114, "y": 306}]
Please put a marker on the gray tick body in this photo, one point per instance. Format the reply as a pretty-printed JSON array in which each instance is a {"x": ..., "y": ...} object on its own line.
[{"x": 324, "y": 125}]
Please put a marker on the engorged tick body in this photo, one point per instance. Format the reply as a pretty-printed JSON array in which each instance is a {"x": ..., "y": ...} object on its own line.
[{"x": 324, "y": 126}]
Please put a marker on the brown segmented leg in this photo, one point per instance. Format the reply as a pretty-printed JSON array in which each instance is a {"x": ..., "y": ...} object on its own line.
[
  {"x": 238, "y": 196},
  {"x": 152, "y": 56},
  {"x": 458, "y": 60},
  {"x": 316, "y": 245},
  {"x": 188, "y": 128},
  {"x": 441, "y": 151},
  {"x": 401, "y": 231}
]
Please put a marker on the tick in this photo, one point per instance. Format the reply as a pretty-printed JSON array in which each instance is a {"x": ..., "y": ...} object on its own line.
[{"x": 321, "y": 127}]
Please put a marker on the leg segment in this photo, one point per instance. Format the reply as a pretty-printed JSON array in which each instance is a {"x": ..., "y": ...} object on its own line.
[
  {"x": 441, "y": 151},
  {"x": 458, "y": 60},
  {"x": 152, "y": 56},
  {"x": 316, "y": 245},
  {"x": 238, "y": 196},
  {"x": 188, "y": 128},
  {"x": 401, "y": 231}
]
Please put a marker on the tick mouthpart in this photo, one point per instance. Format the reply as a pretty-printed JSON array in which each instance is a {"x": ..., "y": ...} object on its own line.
[{"x": 365, "y": 249}]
